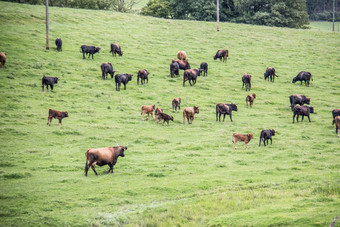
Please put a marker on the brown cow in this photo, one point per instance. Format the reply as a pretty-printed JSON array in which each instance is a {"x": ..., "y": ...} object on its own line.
[
  {"x": 176, "y": 102},
  {"x": 250, "y": 98},
  {"x": 157, "y": 113},
  {"x": 242, "y": 137},
  {"x": 147, "y": 110},
  {"x": 56, "y": 114},
  {"x": 3, "y": 59},
  {"x": 337, "y": 125},
  {"x": 182, "y": 64},
  {"x": 246, "y": 80},
  {"x": 181, "y": 55},
  {"x": 189, "y": 113},
  {"x": 103, "y": 156},
  {"x": 221, "y": 54}
]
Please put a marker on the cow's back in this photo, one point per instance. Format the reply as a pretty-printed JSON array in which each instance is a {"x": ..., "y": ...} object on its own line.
[{"x": 101, "y": 154}]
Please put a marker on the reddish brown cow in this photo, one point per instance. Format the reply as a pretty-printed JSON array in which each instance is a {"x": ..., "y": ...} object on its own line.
[
  {"x": 56, "y": 114},
  {"x": 189, "y": 113},
  {"x": 337, "y": 125},
  {"x": 242, "y": 137},
  {"x": 176, "y": 102},
  {"x": 221, "y": 54},
  {"x": 158, "y": 111},
  {"x": 181, "y": 55},
  {"x": 147, "y": 110},
  {"x": 250, "y": 98},
  {"x": 2, "y": 59},
  {"x": 182, "y": 64},
  {"x": 103, "y": 156}
]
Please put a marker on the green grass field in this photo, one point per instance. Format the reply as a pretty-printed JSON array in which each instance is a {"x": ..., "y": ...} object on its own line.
[
  {"x": 184, "y": 175},
  {"x": 324, "y": 26}
]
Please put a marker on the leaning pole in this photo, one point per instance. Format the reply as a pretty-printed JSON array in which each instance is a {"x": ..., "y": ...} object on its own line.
[
  {"x": 47, "y": 29},
  {"x": 218, "y": 14}
]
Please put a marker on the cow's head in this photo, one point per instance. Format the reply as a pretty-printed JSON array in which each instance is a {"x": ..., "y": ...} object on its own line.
[
  {"x": 129, "y": 76},
  {"x": 311, "y": 109},
  {"x": 254, "y": 95},
  {"x": 250, "y": 136},
  {"x": 121, "y": 150},
  {"x": 294, "y": 80},
  {"x": 56, "y": 80},
  {"x": 97, "y": 49},
  {"x": 215, "y": 57},
  {"x": 64, "y": 114},
  {"x": 272, "y": 132},
  {"x": 188, "y": 65},
  {"x": 307, "y": 101},
  {"x": 120, "y": 53},
  {"x": 199, "y": 71},
  {"x": 196, "y": 110},
  {"x": 234, "y": 107},
  {"x": 171, "y": 118},
  {"x": 153, "y": 107}
]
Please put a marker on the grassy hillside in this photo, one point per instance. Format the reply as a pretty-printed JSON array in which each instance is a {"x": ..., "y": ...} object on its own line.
[{"x": 171, "y": 175}]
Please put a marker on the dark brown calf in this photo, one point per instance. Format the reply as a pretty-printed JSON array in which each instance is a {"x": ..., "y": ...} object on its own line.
[
  {"x": 176, "y": 102},
  {"x": 250, "y": 98},
  {"x": 56, "y": 114},
  {"x": 166, "y": 118},
  {"x": 2, "y": 59}
]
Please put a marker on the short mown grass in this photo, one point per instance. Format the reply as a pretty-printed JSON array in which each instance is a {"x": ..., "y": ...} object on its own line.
[{"x": 171, "y": 175}]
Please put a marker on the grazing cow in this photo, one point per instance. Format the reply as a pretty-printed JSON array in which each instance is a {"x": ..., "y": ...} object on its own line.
[
  {"x": 147, "y": 110},
  {"x": 181, "y": 55},
  {"x": 59, "y": 43},
  {"x": 165, "y": 117},
  {"x": 103, "y": 156},
  {"x": 242, "y": 137},
  {"x": 303, "y": 76},
  {"x": 115, "y": 49},
  {"x": 182, "y": 64},
  {"x": 270, "y": 73},
  {"x": 2, "y": 59},
  {"x": 303, "y": 111},
  {"x": 298, "y": 99},
  {"x": 48, "y": 80},
  {"x": 221, "y": 54},
  {"x": 90, "y": 50},
  {"x": 246, "y": 80},
  {"x": 56, "y": 114},
  {"x": 204, "y": 67},
  {"x": 176, "y": 102},
  {"x": 157, "y": 113},
  {"x": 223, "y": 108},
  {"x": 266, "y": 135},
  {"x": 107, "y": 68},
  {"x": 122, "y": 78},
  {"x": 335, "y": 112},
  {"x": 143, "y": 75},
  {"x": 189, "y": 113},
  {"x": 174, "y": 69},
  {"x": 337, "y": 125},
  {"x": 191, "y": 75},
  {"x": 250, "y": 98}
]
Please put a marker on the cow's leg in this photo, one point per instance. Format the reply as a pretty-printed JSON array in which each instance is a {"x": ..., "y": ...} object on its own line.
[
  {"x": 151, "y": 115},
  {"x": 271, "y": 141},
  {"x": 235, "y": 144},
  {"x": 147, "y": 80},
  {"x": 231, "y": 119},
  {"x": 219, "y": 117},
  {"x": 242, "y": 85},
  {"x": 308, "y": 117},
  {"x": 297, "y": 117},
  {"x": 339, "y": 132},
  {"x": 188, "y": 119},
  {"x": 51, "y": 85},
  {"x": 264, "y": 141},
  {"x": 251, "y": 104},
  {"x": 60, "y": 121},
  {"x": 223, "y": 117},
  {"x": 216, "y": 115},
  {"x": 86, "y": 168},
  {"x": 94, "y": 170},
  {"x": 48, "y": 120},
  {"x": 260, "y": 141},
  {"x": 111, "y": 168},
  {"x": 303, "y": 116},
  {"x": 247, "y": 102},
  {"x": 83, "y": 55},
  {"x": 190, "y": 82},
  {"x": 143, "y": 116},
  {"x": 183, "y": 118},
  {"x": 119, "y": 86},
  {"x": 124, "y": 86}
]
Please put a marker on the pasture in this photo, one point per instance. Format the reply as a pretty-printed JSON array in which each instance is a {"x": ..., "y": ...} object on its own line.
[{"x": 185, "y": 175}]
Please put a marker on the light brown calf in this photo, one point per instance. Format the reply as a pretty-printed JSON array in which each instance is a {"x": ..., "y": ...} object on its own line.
[
  {"x": 189, "y": 113},
  {"x": 147, "y": 110},
  {"x": 250, "y": 98},
  {"x": 3, "y": 59},
  {"x": 181, "y": 55},
  {"x": 242, "y": 137},
  {"x": 337, "y": 124}
]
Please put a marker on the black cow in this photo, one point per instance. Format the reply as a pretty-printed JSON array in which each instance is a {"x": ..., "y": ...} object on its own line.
[
  {"x": 174, "y": 69},
  {"x": 298, "y": 99},
  {"x": 221, "y": 54},
  {"x": 107, "y": 68},
  {"x": 335, "y": 113},
  {"x": 90, "y": 50},
  {"x": 191, "y": 75},
  {"x": 122, "y": 78},
  {"x": 303, "y": 111},
  {"x": 48, "y": 80},
  {"x": 115, "y": 49},
  {"x": 165, "y": 117},
  {"x": 182, "y": 64},
  {"x": 58, "y": 43},
  {"x": 303, "y": 76},
  {"x": 143, "y": 75},
  {"x": 204, "y": 67},
  {"x": 246, "y": 80},
  {"x": 223, "y": 108},
  {"x": 56, "y": 114},
  {"x": 266, "y": 135},
  {"x": 270, "y": 73}
]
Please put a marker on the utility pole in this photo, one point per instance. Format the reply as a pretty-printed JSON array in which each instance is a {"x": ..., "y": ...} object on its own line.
[
  {"x": 218, "y": 14},
  {"x": 333, "y": 13},
  {"x": 47, "y": 27}
]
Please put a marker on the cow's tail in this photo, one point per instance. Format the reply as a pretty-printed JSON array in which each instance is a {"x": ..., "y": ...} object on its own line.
[
  {"x": 233, "y": 138},
  {"x": 311, "y": 77},
  {"x": 80, "y": 50}
]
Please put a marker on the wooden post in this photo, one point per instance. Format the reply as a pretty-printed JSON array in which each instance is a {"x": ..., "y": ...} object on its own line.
[
  {"x": 218, "y": 14},
  {"x": 47, "y": 27},
  {"x": 333, "y": 13}
]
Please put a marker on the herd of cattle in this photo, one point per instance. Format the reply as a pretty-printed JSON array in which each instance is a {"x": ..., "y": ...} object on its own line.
[{"x": 109, "y": 155}]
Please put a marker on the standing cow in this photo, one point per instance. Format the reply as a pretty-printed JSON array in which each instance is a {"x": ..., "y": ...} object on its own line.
[
  {"x": 266, "y": 135},
  {"x": 158, "y": 111},
  {"x": 191, "y": 75},
  {"x": 115, "y": 49},
  {"x": 2, "y": 59},
  {"x": 143, "y": 75},
  {"x": 204, "y": 67},
  {"x": 90, "y": 50},
  {"x": 223, "y": 108},
  {"x": 107, "y": 68},
  {"x": 176, "y": 102},
  {"x": 250, "y": 98},
  {"x": 337, "y": 125},
  {"x": 221, "y": 54},
  {"x": 181, "y": 55},
  {"x": 303, "y": 111},
  {"x": 189, "y": 113},
  {"x": 56, "y": 114},
  {"x": 298, "y": 99},
  {"x": 335, "y": 112},
  {"x": 59, "y": 43},
  {"x": 246, "y": 80},
  {"x": 148, "y": 110},
  {"x": 122, "y": 78},
  {"x": 182, "y": 64},
  {"x": 174, "y": 69},
  {"x": 270, "y": 73},
  {"x": 303, "y": 76},
  {"x": 48, "y": 80},
  {"x": 165, "y": 117},
  {"x": 242, "y": 137}
]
